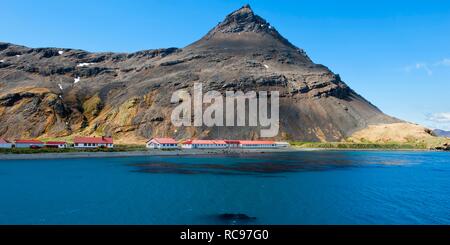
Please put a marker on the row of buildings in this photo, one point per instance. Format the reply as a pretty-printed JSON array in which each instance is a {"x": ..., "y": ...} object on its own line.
[
  {"x": 79, "y": 142},
  {"x": 155, "y": 143},
  {"x": 169, "y": 143}
]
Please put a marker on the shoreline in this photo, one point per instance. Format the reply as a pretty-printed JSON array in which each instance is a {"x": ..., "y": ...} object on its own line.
[
  {"x": 69, "y": 155},
  {"x": 193, "y": 152}
]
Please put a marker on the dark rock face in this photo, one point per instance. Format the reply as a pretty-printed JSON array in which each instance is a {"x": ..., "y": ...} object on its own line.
[
  {"x": 242, "y": 20},
  {"x": 444, "y": 147},
  {"x": 51, "y": 92},
  {"x": 3, "y": 46},
  {"x": 245, "y": 20},
  {"x": 11, "y": 99}
]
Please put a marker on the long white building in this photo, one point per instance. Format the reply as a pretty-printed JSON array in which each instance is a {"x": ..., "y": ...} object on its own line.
[
  {"x": 221, "y": 144},
  {"x": 93, "y": 142},
  {"x": 28, "y": 144},
  {"x": 257, "y": 144},
  {"x": 5, "y": 144},
  {"x": 162, "y": 143},
  {"x": 204, "y": 144}
]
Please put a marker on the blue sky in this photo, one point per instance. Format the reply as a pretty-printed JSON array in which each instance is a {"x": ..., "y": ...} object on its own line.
[{"x": 394, "y": 53}]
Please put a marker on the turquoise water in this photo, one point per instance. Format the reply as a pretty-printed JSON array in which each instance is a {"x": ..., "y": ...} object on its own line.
[{"x": 324, "y": 187}]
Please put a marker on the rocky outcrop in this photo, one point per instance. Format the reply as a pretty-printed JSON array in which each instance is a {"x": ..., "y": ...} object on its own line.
[
  {"x": 54, "y": 92},
  {"x": 444, "y": 147}
]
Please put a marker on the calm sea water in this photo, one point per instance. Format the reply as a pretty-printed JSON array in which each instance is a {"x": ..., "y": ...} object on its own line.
[{"x": 324, "y": 187}]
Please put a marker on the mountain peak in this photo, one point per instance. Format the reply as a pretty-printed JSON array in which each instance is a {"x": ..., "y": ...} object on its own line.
[
  {"x": 242, "y": 20},
  {"x": 245, "y": 20},
  {"x": 244, "y": 9}
]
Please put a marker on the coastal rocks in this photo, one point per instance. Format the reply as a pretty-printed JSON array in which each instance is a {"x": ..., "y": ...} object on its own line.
[{"x": 444, "y": 147}]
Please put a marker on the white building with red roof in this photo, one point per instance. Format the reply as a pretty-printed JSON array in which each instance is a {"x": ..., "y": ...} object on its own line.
[
  {"x": 28, "y": 144},
  {"x": 56, "y": 144},
  {"x": 204, "y": 144},
  {"x": 257, "y": 144},
  {"x": 162, "y": 143},
  {"x": 233, "y": 143},
  {"x": 93, "y": 142},
  {"x": 5, "y": 144}
]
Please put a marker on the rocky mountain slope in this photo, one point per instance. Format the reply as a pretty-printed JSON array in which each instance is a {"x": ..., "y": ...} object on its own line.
[
  {"x": 55, "y": 92},
  {"x": 441, "y": 133}
]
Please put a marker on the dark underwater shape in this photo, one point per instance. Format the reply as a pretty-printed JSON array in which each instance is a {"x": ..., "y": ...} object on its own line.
[
  {"x": 261, "y": 165},
  {"x": 235, "y": 217}
]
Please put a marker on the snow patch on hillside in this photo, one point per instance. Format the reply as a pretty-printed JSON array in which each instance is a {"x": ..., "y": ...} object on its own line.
[{"x": 84, "y": 64}]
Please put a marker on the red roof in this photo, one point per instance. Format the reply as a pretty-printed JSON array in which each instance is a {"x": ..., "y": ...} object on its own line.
[
  {"x": 256, "y": 142},
  {"x": 93, "y": 140},
  {"x": 205, "y": 142},
  {"x": 232, "y": 141},
  {"x": 3, "y": 141},
  {"x": 164, "y": 140},
  {"x": 243, "y": 142},
  {"x": 29, "y": 142},
  {"x": 55, "y": 143}
]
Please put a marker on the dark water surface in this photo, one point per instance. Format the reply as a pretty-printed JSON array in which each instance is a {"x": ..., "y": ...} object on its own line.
[{"x": 318, "y": 187}]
